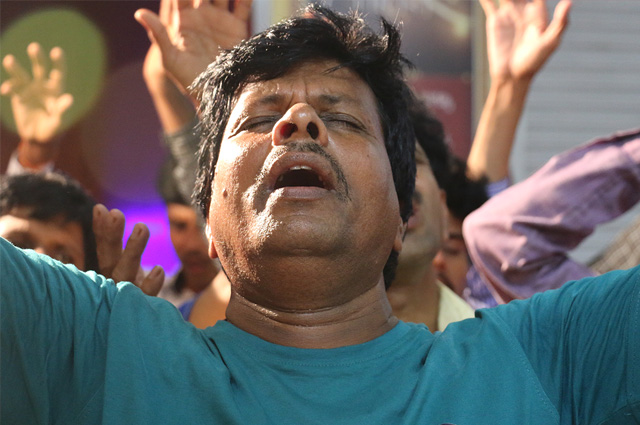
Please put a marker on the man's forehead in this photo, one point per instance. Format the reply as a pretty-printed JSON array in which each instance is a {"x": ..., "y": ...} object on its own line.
[
  {"x": 27, "y": 212},
  {"x": 16, "y": 219},
  {"x": 344, "y": 85},
  {"x": 22, "y": 211}
]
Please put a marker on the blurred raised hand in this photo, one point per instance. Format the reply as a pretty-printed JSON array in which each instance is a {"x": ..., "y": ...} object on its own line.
[
  {"x": 520, "y": 39},
  {"x": 173, "y": 105},
  {"x": 38, "y": 100},
  {"x": 191, "y": 33}
]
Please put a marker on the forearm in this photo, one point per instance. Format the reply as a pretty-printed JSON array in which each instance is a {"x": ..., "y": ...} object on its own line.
[
  {"x": 183, "y": 145},
  {"x": 36, "y": 156},
  {"x": 520, "y": 239},
  {"x": 491, "y": 147},
  {"x": 175, "y": 110}
]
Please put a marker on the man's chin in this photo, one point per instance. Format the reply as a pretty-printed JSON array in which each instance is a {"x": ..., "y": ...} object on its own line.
[
  {"x": 446, "y": 282},
  {"x": 198, "y": 270}
]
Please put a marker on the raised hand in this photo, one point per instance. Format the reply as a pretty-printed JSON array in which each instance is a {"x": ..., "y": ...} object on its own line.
[
  {"x": 173, "y": 105},
  {"x": 519, "y": 37},
  {"x": 38, "y": 102},
  {"x": 519, "y": 41},
  {"x": 191, "y": 33},
  {"x": 116, "y": 263}
]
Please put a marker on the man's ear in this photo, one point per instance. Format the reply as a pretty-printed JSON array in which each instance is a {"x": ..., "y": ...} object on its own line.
[
  {"x": 213, "y": 253},
  {"x": 402, "y": 229}
]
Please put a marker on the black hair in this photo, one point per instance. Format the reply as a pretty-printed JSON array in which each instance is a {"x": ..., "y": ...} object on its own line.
[
  {"x": 317, "y": 33},
  {"x": 464, "y": 194},
  {"x": 168, "y": 186},
  {"x": 431, "y": 138},
  {"x": 51, "y": 196},
  {"x": 429, "y": 134}
]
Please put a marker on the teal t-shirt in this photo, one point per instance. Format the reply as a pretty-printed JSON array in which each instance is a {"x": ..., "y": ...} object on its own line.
[{"x": 77, "y": 349}]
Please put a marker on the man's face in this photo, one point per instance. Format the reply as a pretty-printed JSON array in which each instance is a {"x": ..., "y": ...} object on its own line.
[
  {"x": 427, "y": 225},
  {"x": 191, "y": 246},
  {"x": 56, "y": 238},
  {"x": 452, "y": 262},
  {"x": 303, "y": 184}
]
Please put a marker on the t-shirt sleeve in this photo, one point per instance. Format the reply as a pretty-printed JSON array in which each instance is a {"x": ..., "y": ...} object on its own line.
[
  {"x": 583, "y": 342},
  {"x": 54, "y": 321}
]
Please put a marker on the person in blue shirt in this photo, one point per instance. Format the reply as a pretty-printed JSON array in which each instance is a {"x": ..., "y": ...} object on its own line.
[{"x": 306, "y": 177}]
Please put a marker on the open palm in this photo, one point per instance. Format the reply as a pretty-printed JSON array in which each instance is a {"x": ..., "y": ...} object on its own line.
[
  {"x": 519, "y": 37},
  {"x": 38, "y": 102},
  {"x": 195, "y": 32}
]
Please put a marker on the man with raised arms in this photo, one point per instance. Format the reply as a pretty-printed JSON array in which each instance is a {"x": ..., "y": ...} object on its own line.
[{"x": 306, "y": 177}]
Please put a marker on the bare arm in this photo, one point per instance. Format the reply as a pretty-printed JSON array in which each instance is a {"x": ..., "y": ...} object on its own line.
[
  {"x": 186, "y": 37},
  {"x": 519, "y": 42},
  {"x": 175, "y": 109}
]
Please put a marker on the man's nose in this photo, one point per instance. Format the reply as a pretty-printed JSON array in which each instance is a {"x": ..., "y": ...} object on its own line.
[
  {"x": 301, "y": 122},
  {"x": 439, "y": 263}
]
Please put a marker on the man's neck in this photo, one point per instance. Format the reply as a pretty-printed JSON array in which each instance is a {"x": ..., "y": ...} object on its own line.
[
  {"x": 357, "y": 321},
  {"x": 416, "y": 298}
]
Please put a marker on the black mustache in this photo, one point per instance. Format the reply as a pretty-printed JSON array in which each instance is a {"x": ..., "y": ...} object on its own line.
[{"x": 317, "y": 149}]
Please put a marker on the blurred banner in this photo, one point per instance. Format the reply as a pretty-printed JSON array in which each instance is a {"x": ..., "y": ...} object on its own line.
[{"x": 436, "y": 38}]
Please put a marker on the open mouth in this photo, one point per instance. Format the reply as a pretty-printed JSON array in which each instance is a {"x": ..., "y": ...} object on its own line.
[{"x": 300, "y": 176}]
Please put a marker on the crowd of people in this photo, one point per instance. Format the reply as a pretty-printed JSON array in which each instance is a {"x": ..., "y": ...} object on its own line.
[{"x": 339, "y": 264}]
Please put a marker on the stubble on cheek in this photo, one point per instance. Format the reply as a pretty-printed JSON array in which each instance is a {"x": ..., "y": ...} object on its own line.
[{"x": 241, "y": 230}]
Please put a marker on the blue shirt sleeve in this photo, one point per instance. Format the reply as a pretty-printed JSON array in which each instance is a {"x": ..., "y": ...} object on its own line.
[
  {"x": 583, "y": 342},
  {"x": 187, "y": 306},
  {"x": 54, "y": 321}
]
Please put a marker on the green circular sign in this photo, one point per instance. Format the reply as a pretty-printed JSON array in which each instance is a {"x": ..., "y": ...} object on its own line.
[{"x": 85, "y": 53}]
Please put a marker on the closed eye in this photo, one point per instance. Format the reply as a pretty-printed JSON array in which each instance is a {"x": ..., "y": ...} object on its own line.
[
  {"x": 260, "y": 124},
  {"x": 342, "y": 120}
]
